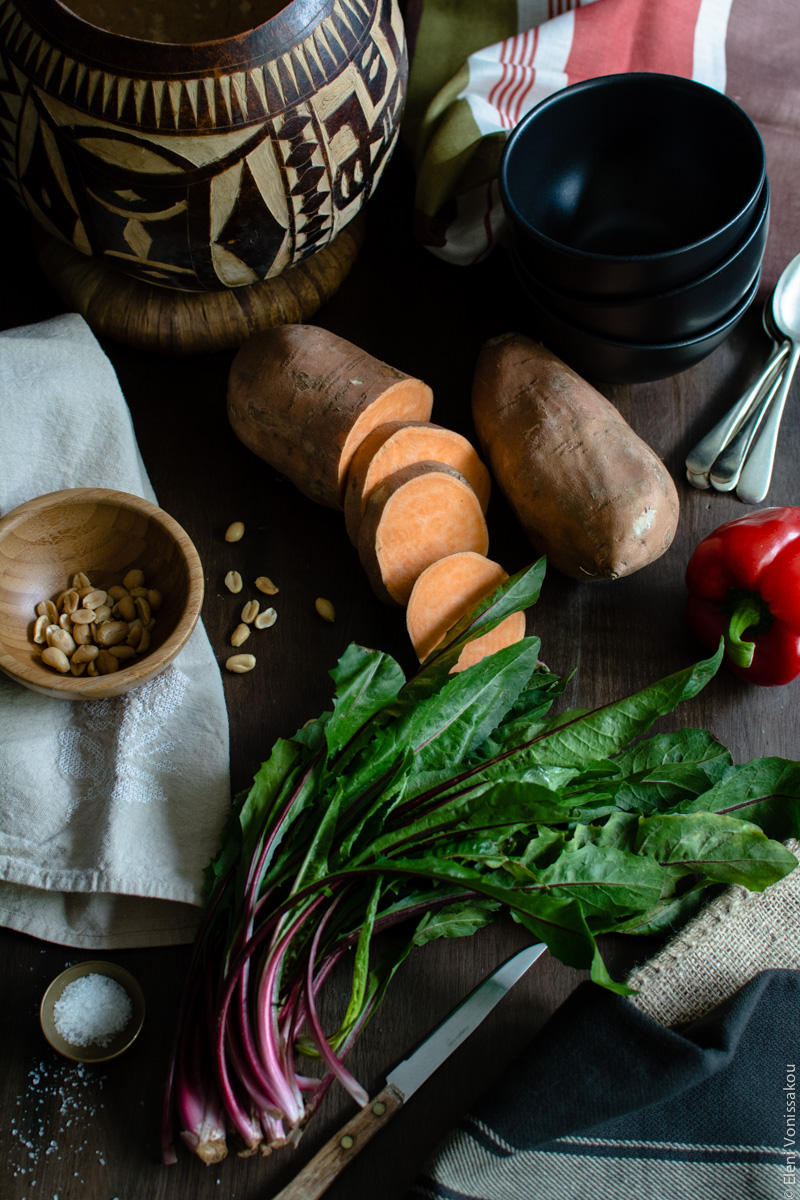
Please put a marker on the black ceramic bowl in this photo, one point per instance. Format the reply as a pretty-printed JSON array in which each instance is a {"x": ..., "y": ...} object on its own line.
[
  {"x": 616, "y": 361},
  {"x": 667, "y": 316},
  {"x": 630, "y": 183}
]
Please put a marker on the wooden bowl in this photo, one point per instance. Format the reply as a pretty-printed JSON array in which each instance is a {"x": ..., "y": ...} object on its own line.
[{"x": 103, "y": 534}]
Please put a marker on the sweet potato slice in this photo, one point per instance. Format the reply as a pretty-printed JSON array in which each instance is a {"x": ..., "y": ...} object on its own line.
[
  {"x": 445, "y": 591},
  {"x": 589, "y": 493},
  {"x": 303, "y": 399},
  {"x": 421, "y": 513},
  {"x": 399, "y": 444}
]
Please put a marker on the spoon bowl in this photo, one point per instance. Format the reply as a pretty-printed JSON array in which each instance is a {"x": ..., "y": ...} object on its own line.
[
  {"x": 719, "y": 457},
  {"x": 782, "y": 318}
]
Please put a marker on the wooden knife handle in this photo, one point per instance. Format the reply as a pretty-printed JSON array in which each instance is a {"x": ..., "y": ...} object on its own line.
[{"x": 318, "y": 1174}]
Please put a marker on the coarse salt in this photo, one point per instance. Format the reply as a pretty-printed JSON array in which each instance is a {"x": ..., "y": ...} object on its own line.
[{"x": 93, "y": 1009}]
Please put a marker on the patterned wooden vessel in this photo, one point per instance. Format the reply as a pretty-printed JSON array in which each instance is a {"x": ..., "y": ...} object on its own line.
[{"x": 198, "y": 165}]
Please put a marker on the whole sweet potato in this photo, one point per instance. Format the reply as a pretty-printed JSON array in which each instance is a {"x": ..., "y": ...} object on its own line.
[
  {"x": 303, "y": 399},
  {"x": 589, "y": 493}
]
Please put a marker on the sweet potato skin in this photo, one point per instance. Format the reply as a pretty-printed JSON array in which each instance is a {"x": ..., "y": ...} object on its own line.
[
  {"x": 301, "y": 398},
  {"x": 589, "y": 493}
]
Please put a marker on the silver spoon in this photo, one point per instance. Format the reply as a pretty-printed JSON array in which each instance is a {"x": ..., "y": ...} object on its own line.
[
  {"x": 784, "y": 314},
  {"x": 703, "y": 457},
  {"x": 727, "y": 469}
]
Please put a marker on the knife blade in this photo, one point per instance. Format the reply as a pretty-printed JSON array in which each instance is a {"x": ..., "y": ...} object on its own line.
[{"x": 409, "y": 1075}]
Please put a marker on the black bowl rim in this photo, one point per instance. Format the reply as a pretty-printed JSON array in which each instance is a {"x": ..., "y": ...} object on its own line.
[
  {"x": 628, "y": 300},
  {"x": 622, "y": 78},
  {"x": 709, "y": 333}
]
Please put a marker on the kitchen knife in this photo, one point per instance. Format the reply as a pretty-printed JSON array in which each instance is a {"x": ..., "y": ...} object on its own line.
[{"x": 314, "y": 1179}]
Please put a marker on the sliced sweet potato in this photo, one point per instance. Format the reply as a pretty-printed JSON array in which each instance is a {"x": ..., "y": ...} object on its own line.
[
  {"x": 421, "y": 513},
  {"x": 445, "y": 591},
  {"x": 589, "y": 493},
  {"x": 399, "y": 444},
  {"x": 303, "y": 399}
]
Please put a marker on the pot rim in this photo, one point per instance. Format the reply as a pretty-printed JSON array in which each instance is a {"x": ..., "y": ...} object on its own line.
[{"x": 103, "y": 48}]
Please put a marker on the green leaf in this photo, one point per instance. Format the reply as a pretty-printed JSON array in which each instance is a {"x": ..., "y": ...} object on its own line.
[
  {"x": 668, "y": 916},
  {"x": 499, "y": 806},
  {"x": 366, "y": 681},
  {"x": 360, "y": 975},
  {"x": 607, "y": 881},
  {"x": 584, "y": 737},
  {"x": 446, "y": 727},
  {"x": 461, "y": 919},
  {"x": 719, "y": 847},
  {"x": 765, "y": 791},
  {"x": 657, "y": 773}
]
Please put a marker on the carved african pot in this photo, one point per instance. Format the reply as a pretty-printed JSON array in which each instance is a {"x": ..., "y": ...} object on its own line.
[{"x": 157, "y": 137}]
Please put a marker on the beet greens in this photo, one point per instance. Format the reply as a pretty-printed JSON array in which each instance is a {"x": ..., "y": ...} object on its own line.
[{"x": 423, "y": 808}]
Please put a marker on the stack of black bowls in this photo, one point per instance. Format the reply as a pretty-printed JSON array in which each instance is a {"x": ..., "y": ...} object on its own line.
[{"x": 638, "y": 207}]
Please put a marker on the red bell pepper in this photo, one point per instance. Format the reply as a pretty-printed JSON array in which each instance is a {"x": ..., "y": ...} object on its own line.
[{"x": 744, "y": 585}]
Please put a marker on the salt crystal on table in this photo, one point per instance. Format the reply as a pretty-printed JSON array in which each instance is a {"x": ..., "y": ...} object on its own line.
[{"x": 94, "y": 1009}]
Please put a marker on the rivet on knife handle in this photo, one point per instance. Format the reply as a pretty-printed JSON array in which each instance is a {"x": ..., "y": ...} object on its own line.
[{"x": 317, "y": 1175}]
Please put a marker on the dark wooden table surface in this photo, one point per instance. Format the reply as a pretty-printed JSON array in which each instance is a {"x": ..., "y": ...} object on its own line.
[{"x": 93, "y": 1134}]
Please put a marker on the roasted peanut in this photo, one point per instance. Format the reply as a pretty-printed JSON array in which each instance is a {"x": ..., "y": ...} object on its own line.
[
  {"x": 125, "y": 608},
  {"x": 96, "y": 629},
  {"x": 106, "y": 663},
  {"x": 325, "y": 609},
  {"x": 265, "y": 585},
  {"x": 111, "y": 633},
  {"x": 240, "y": 634},
  {"x": 55, "y": 658},
  {"x": 122, "y": 652},
  {"x": 49, "y": 610},
  {"x": 233, "y": 582},
  {"x": 58, "y": 637},
  {"x": 266, "y": 618},
  {"x": 239, "y": 663},
  {"x": 235, "y": 531},
  {"x": 250, "y": 611},
  {"x": 134, "y": 578},
  {"x": 82, "y": 634},
  {"x": 85, "y": 654}
]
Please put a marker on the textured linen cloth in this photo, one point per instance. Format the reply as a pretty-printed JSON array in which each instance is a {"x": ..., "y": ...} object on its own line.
[
  {"x": 109, "y": 809},
  {"x": 478, "y": 68},
  {"x": 607, "y": 1103}
]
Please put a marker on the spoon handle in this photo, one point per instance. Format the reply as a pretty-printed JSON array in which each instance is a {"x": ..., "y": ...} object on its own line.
[
  {"x": 701, "y": 459},
  {"x": 727, "y": 468},
  {"x": 756, "y": 473}
]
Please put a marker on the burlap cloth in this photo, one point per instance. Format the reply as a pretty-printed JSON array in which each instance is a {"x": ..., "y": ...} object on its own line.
[{"x": 734, "y": 938}]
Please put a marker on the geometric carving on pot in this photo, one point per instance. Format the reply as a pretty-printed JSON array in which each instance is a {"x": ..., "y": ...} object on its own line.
[{"x": 212, "y": 177}]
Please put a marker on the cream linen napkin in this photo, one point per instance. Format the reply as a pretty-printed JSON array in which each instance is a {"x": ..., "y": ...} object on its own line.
[{"x": 109, "y": 809}]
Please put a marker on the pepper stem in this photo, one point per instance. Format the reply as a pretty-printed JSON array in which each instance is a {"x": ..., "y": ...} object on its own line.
[{"x": 747, "y": 613}]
